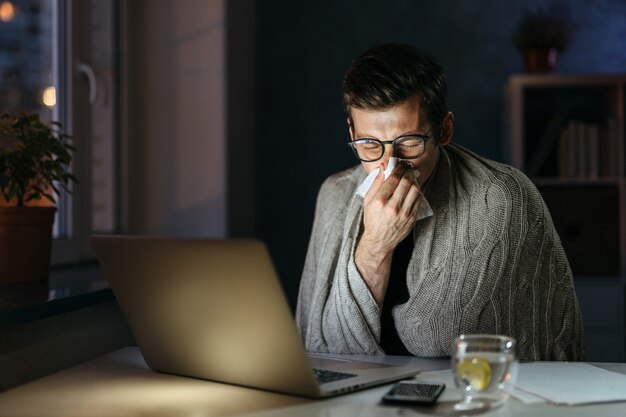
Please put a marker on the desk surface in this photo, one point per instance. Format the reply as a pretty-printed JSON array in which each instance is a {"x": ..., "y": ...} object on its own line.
[{"x": 120, "y": 384}]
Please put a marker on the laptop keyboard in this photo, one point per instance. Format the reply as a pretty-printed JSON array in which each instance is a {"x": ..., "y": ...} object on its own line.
[{"x": 324, "y": 376}]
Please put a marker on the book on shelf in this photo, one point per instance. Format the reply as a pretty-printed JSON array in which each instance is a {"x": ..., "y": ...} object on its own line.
[
  {"x": 593, "y": 151},
  {"x": 588, "y": 150},
  {"x": 564, "y": 149},
  {"x": 568, "y": 150},
  {"x": 612, "y": 147},
  {"x": 546, "y": 144},
  {"x": 581, "y": 150}
]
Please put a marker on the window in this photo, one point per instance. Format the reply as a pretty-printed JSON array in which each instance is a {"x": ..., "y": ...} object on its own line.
[{"x": 57, "y": 58}]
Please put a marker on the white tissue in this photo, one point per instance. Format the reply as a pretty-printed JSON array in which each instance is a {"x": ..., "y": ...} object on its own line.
[{"x": 424, "y": 210}]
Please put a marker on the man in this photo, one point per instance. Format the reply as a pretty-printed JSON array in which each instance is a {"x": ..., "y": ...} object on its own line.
[{"x": 385, "y": 274}]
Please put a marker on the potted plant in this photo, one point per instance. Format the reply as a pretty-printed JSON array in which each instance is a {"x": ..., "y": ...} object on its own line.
[
  {"x": 34, "y": 162},
  {"x": 542, "y": 34}
]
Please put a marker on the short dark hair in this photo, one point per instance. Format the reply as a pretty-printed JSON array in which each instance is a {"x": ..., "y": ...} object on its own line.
[{"x": 387, "y": 75}]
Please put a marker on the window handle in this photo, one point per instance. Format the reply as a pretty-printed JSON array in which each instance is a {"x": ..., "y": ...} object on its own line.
[{"x": 87, "y": 70}]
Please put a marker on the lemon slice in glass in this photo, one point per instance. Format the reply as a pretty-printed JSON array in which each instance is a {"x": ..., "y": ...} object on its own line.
[{"x": 475, "y": 372}]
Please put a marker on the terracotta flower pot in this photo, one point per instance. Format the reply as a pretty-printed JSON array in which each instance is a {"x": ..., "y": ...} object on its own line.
[
  {"x": 25, "y": 243},
  {"x": 538, "y": 60}
]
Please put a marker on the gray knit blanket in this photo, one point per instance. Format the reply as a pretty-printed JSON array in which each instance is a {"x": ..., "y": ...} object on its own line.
[{"x": 488, "y": 261}]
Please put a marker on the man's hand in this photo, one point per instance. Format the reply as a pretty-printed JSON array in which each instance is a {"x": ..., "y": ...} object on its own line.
[{"x": 389, "y": 212}]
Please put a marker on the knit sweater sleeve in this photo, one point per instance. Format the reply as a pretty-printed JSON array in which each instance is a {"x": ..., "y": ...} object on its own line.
[
  {"x": 336, "y": 311},
  {"x": 545, "y": 311}
]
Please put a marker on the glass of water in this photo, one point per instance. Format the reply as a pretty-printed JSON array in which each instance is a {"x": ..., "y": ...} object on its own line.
[{"x": 485, "y": 368}]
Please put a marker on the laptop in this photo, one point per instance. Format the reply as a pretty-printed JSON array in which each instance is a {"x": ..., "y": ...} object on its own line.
[{"x": 215, "y": 310}]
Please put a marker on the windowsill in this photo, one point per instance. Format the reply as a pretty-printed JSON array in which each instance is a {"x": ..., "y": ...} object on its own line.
[{"x": 68, "y": 288}]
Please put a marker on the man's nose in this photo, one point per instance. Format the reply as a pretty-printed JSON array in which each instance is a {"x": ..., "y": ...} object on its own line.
[{"x": 388, "y": 153}]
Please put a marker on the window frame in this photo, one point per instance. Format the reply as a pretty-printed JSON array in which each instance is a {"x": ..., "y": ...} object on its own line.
[{"x": 74, "y": 247}]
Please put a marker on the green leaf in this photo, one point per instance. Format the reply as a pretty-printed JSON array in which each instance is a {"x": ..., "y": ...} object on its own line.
[{"x": 38, "y": 156}]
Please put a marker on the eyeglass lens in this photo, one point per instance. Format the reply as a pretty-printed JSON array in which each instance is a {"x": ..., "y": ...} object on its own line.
[{"x": 408, "y": 147}]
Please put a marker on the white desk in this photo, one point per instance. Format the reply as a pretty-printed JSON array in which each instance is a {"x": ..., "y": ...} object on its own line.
[{"x": 120, "y": 384}]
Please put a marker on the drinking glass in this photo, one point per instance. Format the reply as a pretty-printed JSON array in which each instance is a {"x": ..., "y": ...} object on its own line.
[{"x": 485, "y": 368}]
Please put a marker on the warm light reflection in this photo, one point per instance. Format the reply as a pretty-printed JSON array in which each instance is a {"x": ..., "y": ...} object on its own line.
[
  {"x": 49, "y": 96},
  {"x": 7, "y": 11},
  {"x": 154, "y": 394},
  {"x": 121, "y": 384}
]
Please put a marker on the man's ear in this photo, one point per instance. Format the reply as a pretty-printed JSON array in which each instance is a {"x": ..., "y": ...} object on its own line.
[
  {"x": 350, "y": 128},
  {"x": 447, "y": 129}
]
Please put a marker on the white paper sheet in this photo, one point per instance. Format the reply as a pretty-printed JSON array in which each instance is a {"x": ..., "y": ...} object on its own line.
[
  {"x": 526, "y": 397},
  {"x": 571, "y": 383}
]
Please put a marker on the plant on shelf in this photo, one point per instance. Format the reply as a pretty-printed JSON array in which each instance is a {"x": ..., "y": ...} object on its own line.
[
  {"x": 541, "y": 35},
  {"x": 34, "y": 162}
]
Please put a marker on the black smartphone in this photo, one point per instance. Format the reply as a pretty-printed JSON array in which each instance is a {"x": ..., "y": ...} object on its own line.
[{"x": 413, "y": 392}]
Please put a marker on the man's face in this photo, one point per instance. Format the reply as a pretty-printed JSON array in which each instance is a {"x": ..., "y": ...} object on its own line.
[{"x": 401, "y": 120}]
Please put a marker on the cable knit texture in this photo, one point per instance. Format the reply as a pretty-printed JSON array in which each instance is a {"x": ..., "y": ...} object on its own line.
[{"x": 488, "y": 261}]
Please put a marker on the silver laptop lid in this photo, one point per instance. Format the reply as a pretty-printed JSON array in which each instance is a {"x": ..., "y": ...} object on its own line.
[{"x": 210, "y": 309}]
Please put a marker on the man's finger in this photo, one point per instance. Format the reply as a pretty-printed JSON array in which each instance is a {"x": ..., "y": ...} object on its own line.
[
  {"x": 388, "y": 187},
  {"x": 412, "y": 201},
  {"x": 403, "y": 187}
]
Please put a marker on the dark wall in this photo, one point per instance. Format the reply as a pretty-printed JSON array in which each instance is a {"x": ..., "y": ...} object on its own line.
[{"x": 304, "y": 47}]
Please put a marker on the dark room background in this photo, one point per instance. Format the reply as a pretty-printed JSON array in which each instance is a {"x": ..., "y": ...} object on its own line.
[{"x": 303, "y": 49}]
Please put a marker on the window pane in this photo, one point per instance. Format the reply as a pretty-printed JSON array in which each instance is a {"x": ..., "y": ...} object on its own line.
[
  {"x": 28, "y": 74},
  {"x": 57, "y": 58},
  {"x": 26, "y": 56}
]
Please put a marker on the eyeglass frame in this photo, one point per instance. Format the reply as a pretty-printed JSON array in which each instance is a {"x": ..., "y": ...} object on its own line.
[{"x": 424, "y": 138}]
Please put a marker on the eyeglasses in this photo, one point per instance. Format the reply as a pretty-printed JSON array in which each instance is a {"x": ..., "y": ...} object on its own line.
[{"x": 405, "y": 147}]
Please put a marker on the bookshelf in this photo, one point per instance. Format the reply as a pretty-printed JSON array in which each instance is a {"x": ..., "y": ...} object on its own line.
[{"x": 566, "y": 132}]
